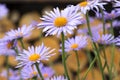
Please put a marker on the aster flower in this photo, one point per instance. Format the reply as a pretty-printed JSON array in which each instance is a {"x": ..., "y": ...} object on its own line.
[
  {"x": 112, "y": 15},
  {"x": 58, "y": 78},
  {"x": 117, "y": 3},
  {"x": 104, "y": 39},
  {"x": 47, "y": 72},
  {"x": 29, "y": 72},
  {"x": 88, "y": 5},
  {"x": 7, "y": 45},
  {"x": 14, "y": 75},
  {"x": 34, "y": 54},
  {"x": 3, "y": 11},
  {"x": 75, "y": 43},
  {"x": 22, "y": 32},
  {"x": 56, "y": 22}
]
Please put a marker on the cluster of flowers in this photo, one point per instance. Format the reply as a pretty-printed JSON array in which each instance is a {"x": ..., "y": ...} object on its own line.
[{"x": 57, "y": 22}]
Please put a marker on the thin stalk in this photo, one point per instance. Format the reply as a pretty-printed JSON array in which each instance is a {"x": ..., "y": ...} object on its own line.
[
  {"x": 113, "y": 49},
  {"x": 95, "y": 46},
  {"x": 88, "y": 24},
  {"x": 111, "y": 28},
  {"x": 64, "y": 56},
  {"x": 91, "y": 65},
  {"x": 16, "y": 50},
  {"x": 7, "y": 65},
  {"x": 22, "y": 44},
  {"x": 34, "y": 78},
  {"x": 103, "y": 20},
  {"x": 78, "y": 64},
  {"x": 105, "y": 59},
  {"x": 40, "y": 74},
  {"x": 112, "y": 61}
]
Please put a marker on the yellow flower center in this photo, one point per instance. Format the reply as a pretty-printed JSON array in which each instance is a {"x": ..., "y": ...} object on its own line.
[
  {"x": 74, "y": 46},
  {"x": 35, "y": 73},
  {"x": 45, "y": 75},
  {"x": 60, "y": 21},
  {"x": 9, "y": 45},
  {"x": 34, "y": 57},
  {"x": 83, "y": 4}
]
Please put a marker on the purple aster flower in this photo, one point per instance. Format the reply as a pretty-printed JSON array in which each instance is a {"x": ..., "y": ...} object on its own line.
[
  {"x": 89, "y": 4},
  {"x": 14, "y": 75},
  {"x": 29, "y": 72},
  {"x": 34, "y": 54},
  {"x": 22, "y": 32},
  {"x": 47, "y": 72},
  {"x": 104, "y": 39},
  {"x": 3, "y": 11},
  {"x": 7, "y": 45},
  {"x": 58, "y": 21},
  {"x": 75, "y": 43},
  {"x": 112, "y": 15}
]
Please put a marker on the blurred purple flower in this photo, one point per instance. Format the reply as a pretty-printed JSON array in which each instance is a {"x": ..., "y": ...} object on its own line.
[{"x": 3, "y": 11}]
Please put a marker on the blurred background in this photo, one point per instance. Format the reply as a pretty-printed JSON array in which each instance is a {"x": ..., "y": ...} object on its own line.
[{"x": 29, "y": 12}]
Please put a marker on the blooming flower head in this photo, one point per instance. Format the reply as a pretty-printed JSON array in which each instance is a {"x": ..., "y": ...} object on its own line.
[
  {"x": 117, "y": 3},
  {"x": 7, "y": 45},
  {"x": 88, "y": 5},
  {"x": 34, "y": 54},
  {"x": 24, "y": 31},
  {"x": 13, "y": 75},
  {"x": 58, "y": 78},
  {"x": 47, "y": 72},
  {"x": 104, "y": 39},
  {"x": 56, "y": 22},
  {"x": 75, "y": 43},
  {"x": 29, "y": 71},
  {"x": 3, "y": 11},
  {"x": 112, "y": 15}
]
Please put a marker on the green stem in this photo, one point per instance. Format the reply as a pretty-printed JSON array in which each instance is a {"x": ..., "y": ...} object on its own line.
[
  {"x": 112, "y": 60},
  {"x": 7, "y": 65},
  {"x": 111, "y": 28},
  {"x": 91, "y": 65},
  {"x": 78, "y": 64},
  {"x": 64, "y": 56},
  {"x": 105, "y": 59},
  {"x": 94, "y": 46},
  {"x": 88, "y": 24},
  {"x": 103, "y": 20},
  {"x": 16, "y": 50},
  {"x": 40, "y": 74},
  {"x": 22, "y": 44},
  {"x": 34, "y": 78}
]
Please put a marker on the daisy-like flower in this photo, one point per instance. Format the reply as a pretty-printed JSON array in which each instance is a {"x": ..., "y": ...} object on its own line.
[
  {"x": 34, "y": 54},
  {"x": 22, "y": 32},
  {"x": 47, "y": 72},
  {"x": 75, "y": 43},
  {"x": 112, "y": 15},
  {"x": 7, "y": 45},
  {"x": 58, "y": 78},
  {"x": 3, "y": 11},
  {"x": 88, "y": 5},
  {"x": 56, "y": 22},
  {"x": 104, "y": 39},
  {"x": 117, "y": 3},
  {"x": 29, "y": 72},
  {"x": 13, "y": 75}
]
